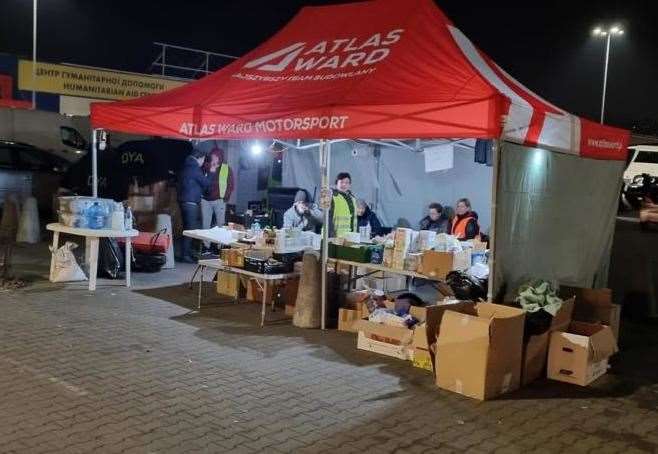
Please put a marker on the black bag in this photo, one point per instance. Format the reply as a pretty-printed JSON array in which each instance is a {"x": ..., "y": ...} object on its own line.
[
  {"x": 148, "y": 263},
  {"x": 466, "y": 287},
  {"x": 110, "y": 259}
]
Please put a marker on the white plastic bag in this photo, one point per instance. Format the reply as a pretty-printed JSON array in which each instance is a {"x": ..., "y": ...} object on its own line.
[{"x": 66, "y": 268}]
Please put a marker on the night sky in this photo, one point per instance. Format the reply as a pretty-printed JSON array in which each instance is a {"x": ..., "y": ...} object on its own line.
[{"x": 547, "y": 45}]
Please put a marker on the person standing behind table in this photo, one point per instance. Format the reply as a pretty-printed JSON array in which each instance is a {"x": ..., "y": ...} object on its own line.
[
  {"x": 302, "y": 214},
  {"x": 342, "y": 214},
  {"x": 465, "y": 224},
  {"x": 192, "y": 184},
  {"x": 367, "y": 217},
  {"x": 219, "y": 191},
  {"x": 436, "y": 220}
]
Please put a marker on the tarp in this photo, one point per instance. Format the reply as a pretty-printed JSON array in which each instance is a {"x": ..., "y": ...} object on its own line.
[
  {"x": 378, "y": 69},
  {"x": 555, "y": 217}
]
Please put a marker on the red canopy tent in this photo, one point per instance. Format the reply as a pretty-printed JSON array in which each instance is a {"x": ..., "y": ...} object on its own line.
[
  {"x": 378, "y": 69},
  {"x": 382, "y": 69}
]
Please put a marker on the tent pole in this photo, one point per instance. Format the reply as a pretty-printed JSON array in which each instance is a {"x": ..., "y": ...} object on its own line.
[
  {"x": 325, "y": 167},
  {"x": 94, "y": 162},
  {"x": 492, "y": 231}
]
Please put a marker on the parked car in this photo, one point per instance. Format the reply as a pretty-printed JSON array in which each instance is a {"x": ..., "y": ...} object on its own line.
[
  {"x": 643, "y": 160},
  {"x": 640, "y": 177},
  {"x": 27, "y": 170}
]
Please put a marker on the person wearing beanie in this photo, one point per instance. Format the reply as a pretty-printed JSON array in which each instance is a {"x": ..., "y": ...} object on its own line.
[
  {"x": 193, "y": 182},
  {"x": 303, "y": 214},
  {"x": 436, "y": 219}
]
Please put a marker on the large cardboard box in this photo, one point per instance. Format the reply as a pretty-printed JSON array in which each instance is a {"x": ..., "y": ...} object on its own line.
[
  {"x": 535, "y": 349},
  {"x": 426, "y": 330},
  {"x": 594, "y": 306},
  {"x": 438, "y": 264},
  {"x": 479, "y": 350},
  {"x": 580, "y": 354}
]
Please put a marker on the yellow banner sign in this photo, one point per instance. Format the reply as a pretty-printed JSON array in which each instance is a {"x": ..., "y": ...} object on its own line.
[{"x": 90, "y": 83}]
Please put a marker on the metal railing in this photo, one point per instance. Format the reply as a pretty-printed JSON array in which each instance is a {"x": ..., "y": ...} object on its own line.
[{"x": 201, "y": 62}]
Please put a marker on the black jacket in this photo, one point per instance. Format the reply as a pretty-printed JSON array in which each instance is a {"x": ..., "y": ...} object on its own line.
[
  {"x": 441, "y": 225},
  {"x": 369, "y": 216},
  {"x": 192, "y": 182}
]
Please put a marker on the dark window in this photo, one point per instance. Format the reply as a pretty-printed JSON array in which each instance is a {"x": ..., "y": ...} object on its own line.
[
  {"x": 647, "y": 157},
  {"x": 5, "y": 157},
  {"x": 33, "y": 160}
]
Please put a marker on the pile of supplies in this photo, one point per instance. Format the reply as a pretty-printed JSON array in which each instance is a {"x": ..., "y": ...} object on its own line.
[{"x": 482, "y": 349}]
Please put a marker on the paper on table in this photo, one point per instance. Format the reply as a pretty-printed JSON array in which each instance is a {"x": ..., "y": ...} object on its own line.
[
  {"x": 439, "y": 157},
  {"x": 216, "y": 235}
]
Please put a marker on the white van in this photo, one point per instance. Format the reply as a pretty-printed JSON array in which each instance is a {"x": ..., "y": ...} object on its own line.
[{"x": 644, "y": 159}]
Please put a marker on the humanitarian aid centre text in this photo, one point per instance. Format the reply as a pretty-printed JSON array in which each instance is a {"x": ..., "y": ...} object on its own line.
[{"x": 266, "y": 126}]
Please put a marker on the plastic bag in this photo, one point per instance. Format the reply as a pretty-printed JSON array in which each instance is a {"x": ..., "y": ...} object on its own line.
[
  {"x": 66, "y": 268},
  {"x": 110, "y": 259}
]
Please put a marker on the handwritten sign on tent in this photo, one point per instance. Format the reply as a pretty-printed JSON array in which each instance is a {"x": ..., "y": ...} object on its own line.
[{"x": 439, "y": 157}]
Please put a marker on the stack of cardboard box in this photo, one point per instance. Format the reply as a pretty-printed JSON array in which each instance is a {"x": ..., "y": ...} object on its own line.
[
  {"x": 480, "y": 349},
  {"x": 402, "y": 240}
]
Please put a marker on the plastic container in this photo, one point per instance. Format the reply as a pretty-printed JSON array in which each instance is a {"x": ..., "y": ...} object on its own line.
[{"x": 96, "y": 216}]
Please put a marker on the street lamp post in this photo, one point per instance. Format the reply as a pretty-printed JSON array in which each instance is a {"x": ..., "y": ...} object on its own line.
[
  {"x": 607, "y": 34},
  {"x": 34, "y": 54}
]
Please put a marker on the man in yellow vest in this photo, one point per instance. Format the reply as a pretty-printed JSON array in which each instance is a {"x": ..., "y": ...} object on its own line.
[
  {"x": 342, "y": 214},
  {"x": 219, "y": 192}
]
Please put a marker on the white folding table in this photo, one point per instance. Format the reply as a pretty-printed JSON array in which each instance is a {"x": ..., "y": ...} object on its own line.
[
  {"x": 92, "y": 237},
  {"x": 263, "y": 280}
]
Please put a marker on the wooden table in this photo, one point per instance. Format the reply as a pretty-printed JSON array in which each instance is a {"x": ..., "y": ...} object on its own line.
[
  {"x": 263, "y": 280},
  {"x": 92, "y": 237}
]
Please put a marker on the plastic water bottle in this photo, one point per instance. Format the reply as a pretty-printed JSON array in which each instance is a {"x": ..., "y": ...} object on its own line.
[
  {"x": 96, "y": 216},
  {"x": 128, "y": 219},
  {"x": 256, "y": 227}
]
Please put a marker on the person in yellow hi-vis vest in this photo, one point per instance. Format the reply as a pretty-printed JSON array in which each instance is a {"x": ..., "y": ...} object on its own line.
[
  {"x": 342, "y": 214},
  {"x": 219, "y": 192}
]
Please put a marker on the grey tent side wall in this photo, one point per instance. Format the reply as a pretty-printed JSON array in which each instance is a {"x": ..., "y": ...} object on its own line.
[{"x": 555, "y": 217}]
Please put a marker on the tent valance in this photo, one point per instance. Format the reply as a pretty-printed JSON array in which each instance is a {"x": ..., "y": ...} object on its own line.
[{"x": 377, "y": 69}]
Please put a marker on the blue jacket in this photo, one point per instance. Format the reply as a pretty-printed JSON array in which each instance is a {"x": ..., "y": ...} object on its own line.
[{"x": 192, "y": 182}]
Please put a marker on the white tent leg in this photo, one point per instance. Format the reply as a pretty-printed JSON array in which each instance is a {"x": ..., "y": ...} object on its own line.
[
  {"x": 496, "y": 149},
  {"x": 94, "y": 162},
  {"x": 325, "y": 167}
]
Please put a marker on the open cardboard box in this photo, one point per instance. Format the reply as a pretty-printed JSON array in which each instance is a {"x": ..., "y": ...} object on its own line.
[
  {"x": 426, "y": 330},
  {"x": 420, "y": 336},
  {"x": 535, "y": 348},
  {"x": 479, "y": 350},
  {"x": 580, "y": 354},
  {"x": 594, "y": 306}
]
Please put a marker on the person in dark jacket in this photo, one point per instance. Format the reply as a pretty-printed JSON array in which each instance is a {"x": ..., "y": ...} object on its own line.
[
  {"x": 365, "y": 217},
  {"x": 465, "y": 225},
  {"x": 192, "y": 184},
  {"x": 435, "y": 220},
  {"x": 219, "y": 192}
]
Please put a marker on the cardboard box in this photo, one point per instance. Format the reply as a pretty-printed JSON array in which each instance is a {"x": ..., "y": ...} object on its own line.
[
  {"x": 438, "y": 264},
  {"x": 594, "y": 306},
  {"x": 232, "y": 257},
  {"x": 423, "y": 359},
  {"x": 228, "y": 284},
  {"x": 403, "y": 352},
  {"x": 479, "y": 350},
  {"x": 290, "y": 310},
  {"x": 347, "y": 319},
  {"x": 580, "y": 354},
  {"x": 535, "y": 348}
]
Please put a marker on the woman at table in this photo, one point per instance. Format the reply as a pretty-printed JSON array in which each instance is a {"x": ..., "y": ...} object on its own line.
[
  {"x": 436, "y": 220},
  {"x": 465, "y": 225}
]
